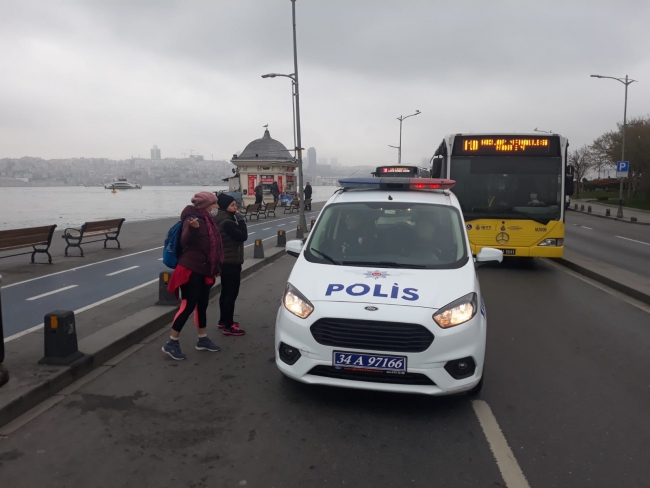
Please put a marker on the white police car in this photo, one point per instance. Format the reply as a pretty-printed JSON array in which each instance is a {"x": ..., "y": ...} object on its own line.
[{"x": 384, "y": 294}]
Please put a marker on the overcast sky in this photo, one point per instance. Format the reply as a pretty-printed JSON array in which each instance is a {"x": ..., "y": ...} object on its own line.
[{"x": 111, "y": 78}]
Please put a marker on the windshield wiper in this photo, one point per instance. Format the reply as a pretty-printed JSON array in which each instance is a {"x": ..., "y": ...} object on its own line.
[
  {"x": 330, "y": 259},
  {"x": 385, "y": 264},
  {"x": 541, "y": 220}
]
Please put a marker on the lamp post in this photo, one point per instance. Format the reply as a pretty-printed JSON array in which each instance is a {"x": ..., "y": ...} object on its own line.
[
  {"x": 626, "y": 82},
  {"x": 396, "y": 147},
  {"x": 296, "y": 94},
  {"x": 401, "y": 119}
]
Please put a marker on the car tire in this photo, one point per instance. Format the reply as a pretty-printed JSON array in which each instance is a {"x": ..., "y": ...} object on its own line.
[{"x": 477, "y": 389}]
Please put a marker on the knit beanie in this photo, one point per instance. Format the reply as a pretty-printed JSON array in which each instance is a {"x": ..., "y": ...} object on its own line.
[
  {"x": 224, "y": 201},
  {"x": 204, "y": 199}
]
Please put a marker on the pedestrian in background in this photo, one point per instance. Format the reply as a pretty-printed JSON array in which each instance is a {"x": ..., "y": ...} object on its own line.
[
  {"x": 259, "y": 193},
  {"x": 275, "y": 191},
  {"x": 198, "y": 265},
  {"x": 234, "y": 233},
  {"x": 308, "y": 190}
]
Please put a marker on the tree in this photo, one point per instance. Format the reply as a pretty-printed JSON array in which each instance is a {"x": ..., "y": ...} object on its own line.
[{"x": 582, "y": 161}]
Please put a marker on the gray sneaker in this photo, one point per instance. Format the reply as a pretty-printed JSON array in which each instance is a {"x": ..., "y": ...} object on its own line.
[
  {"x": 173, "y": 349},
  {"x": 205, "y": 344}
]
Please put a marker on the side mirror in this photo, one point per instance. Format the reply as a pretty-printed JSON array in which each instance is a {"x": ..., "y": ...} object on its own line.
[
  {"x": 294, "y": 248},
  {"x": 488, "y": 254}
]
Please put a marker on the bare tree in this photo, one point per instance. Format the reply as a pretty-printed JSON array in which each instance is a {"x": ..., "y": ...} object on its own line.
[{"x": 582, "y": 161}]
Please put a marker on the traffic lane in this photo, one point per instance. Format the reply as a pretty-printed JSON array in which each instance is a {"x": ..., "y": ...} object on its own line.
[
  {"x": 633, "y": 256},
  {"x": 567, "y": 376},
  {"x": 610, "y": 226},
  {"x": 218, "y": 419}
]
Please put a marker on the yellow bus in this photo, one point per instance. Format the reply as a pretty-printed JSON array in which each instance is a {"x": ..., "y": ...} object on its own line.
[{"x": 512, "y": 189}]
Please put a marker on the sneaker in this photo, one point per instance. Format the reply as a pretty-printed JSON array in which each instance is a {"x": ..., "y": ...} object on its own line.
[
  {"x": 173, "y": 349},
  {"x": 234, "y": 330},
  {"x": 205, "y": 344},
  {"x": 223, "y": 326}
]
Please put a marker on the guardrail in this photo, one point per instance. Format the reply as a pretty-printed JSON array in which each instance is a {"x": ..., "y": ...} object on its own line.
[{"x": 4, "y": 374}]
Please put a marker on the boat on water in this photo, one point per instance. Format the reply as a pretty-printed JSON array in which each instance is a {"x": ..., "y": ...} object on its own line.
[{"x": 122, "y": 184}]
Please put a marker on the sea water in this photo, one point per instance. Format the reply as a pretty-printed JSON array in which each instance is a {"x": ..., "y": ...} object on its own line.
[{"x": 73, "y": 205}]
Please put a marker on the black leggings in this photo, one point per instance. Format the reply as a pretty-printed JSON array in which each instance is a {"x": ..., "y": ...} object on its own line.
[
  {"x": 195, "y": 294},
  {"x": 230, "y": 281}
]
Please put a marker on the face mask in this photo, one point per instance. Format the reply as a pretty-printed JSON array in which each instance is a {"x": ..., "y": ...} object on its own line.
[{"x": 214, "y": 212}]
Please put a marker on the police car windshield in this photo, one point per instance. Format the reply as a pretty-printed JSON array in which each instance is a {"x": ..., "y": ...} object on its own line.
[{"x": 389, "y": 234}]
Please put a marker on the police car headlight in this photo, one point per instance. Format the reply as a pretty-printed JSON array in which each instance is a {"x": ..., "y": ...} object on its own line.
[
  {"x": 296, "y": 303},
  {"x": 457, "y": 312},
  {"x": 552, "y": 242}
]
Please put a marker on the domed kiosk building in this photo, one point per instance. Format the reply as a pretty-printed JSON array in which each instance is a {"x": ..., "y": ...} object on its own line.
[{"x": 263, "y": 161}]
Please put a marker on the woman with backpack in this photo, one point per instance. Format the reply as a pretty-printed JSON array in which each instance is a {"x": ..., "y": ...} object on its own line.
[
  {"x": 234, "y": 233},
  {"x": 198, "y": 266}
]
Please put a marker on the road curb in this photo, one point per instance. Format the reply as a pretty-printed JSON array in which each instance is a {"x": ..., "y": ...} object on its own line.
[
  {"x": 582, "y": 212},
  {"x": 108, "y": 343},
  {"x": 616, "y": 285}
]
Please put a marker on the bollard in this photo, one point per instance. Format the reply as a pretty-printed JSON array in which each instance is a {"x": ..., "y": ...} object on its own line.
[
  {"x": 4, "y": 374},
  {"x": 575, "y": 206},
  {"x": 589, "y": 209},
  {"x": 299, "y": 232},
  {"x": 282, "y": 239},
  {"x": 60, "y": 338},
  {"x": 165, "y": 297},
  {"x": 607, "y": 213},
  {"x": 258, "y": 250},
  {"x": 311, "y": 227},
  {"x": 582, "y": 208},
  {"x": 633, "y": 219}
]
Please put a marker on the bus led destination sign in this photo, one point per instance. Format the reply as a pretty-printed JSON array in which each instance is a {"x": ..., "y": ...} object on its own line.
[
  {"x": 398, "y": 169},
  {"x": 493, "y": 146}
]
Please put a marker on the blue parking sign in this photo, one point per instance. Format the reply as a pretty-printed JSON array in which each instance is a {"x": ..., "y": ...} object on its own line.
[{"x": 622, "y": 168}]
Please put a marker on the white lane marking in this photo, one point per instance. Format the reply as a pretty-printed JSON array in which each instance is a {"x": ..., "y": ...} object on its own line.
[
  {"x": 160, "y": 259},
  {"x": 585, "y": 227},
  {"x": 280, "y": 225},
  {"x": 80, "y": 267},
  {"x": 251, "y": 233},
  {"x": 83, "y": 309},
  {"x": 266, "y": 228},
  {"x": 51, "y": 292},
  {"x": 633, "y": 240},
  {"x": 272, "y": 237},
  {"x": 122, "y": 270},
  {"x": 510, "y": 470}
]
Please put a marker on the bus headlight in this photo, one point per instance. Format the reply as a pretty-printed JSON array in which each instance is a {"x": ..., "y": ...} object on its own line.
[
  {"x": 457, "y": 312},
  {"x": 552, "y": 242},
  {"x": 296, "y": 303}
]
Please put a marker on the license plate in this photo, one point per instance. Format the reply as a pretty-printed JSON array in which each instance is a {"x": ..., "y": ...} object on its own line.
[
  {"x": 509, "y": 252},
  {"x": 369, "y": 362}
]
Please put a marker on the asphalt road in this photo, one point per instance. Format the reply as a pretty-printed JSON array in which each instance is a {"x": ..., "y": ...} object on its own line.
[
  {"x": 106, "y": 274},
  {"x": 566, "y": 380},
  {"x": 624, "y": 245}
]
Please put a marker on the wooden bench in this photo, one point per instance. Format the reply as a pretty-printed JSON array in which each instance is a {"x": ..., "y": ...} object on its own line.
[
  {"x": 308, "y": 204},
  {"x": 294, "y": 205},
  {"x": 252, "y": 210},
  {"x": 108, "y": 229},
  {"x": 29, "y": 237},
  {"x": 269, "y": 209}
]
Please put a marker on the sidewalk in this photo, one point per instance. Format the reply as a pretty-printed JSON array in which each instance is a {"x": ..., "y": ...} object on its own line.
[
  {"x": 630, "y": 284},
  {"x": 599, "y": 210}
]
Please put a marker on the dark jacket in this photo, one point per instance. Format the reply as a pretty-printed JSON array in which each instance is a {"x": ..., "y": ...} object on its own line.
[
  {"x": 259, "y": 191},
  {"x": 275, "y": 189},
  {"x": 195, "y": 244},
  {"x": 233, "y": 234},
  {"x": 308, "y": 191}
]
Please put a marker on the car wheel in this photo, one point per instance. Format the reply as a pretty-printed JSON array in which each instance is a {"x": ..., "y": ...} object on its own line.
[{"x": 477, "y": 389}]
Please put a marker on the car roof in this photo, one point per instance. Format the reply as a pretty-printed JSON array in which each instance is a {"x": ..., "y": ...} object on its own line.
[{"x": 436, "y": 197}]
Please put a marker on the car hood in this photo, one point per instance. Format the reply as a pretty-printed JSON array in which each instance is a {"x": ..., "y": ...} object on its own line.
[{"x": 431, "y": 288}]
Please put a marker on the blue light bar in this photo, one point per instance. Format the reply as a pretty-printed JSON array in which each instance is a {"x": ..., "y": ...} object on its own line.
[
  {"x": 396, "y": 183},
  {"x": 360, "y": 183}
]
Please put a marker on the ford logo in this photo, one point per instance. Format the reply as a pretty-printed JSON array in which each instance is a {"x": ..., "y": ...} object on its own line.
[{"x": 372, "y": 309}]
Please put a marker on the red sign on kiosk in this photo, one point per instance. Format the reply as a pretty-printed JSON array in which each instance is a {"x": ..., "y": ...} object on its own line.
[
  {"x": 280, "y": 184},
  {"x": 252, "y": 179}
]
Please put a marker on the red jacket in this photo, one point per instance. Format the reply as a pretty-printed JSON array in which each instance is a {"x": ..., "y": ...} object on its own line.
[{"x": 195, "y": 244}]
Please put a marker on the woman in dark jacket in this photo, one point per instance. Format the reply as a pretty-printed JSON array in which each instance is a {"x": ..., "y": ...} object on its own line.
[
  {"x": 233, "y": 234},
  {"x": 198, "y": 266}
]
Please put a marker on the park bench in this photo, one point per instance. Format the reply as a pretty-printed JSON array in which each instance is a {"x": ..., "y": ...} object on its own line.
[
  {"x": 106, "y": 230},
  {"x": 268, "y": 209},
  {"x": 294, "y": 205},
  {"x": 252, "y": 210},
  {"x": 29, "y": 237}
]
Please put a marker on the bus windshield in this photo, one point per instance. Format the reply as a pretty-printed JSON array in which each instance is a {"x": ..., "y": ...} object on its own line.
[{"x": 508, "y": 187}]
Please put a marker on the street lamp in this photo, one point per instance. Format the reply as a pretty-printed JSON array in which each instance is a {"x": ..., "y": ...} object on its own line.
[
  {"x": 294, "y": 79},
  {"x": 626, "y": 82},
  {"x": 401, "y": 118},
  {"x": 395, "y": 147}
]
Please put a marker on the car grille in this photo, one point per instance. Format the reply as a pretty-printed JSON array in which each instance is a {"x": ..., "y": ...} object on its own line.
[
  {"x": 396, "y": 379},
  {"x": 372, "y": 335}
]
